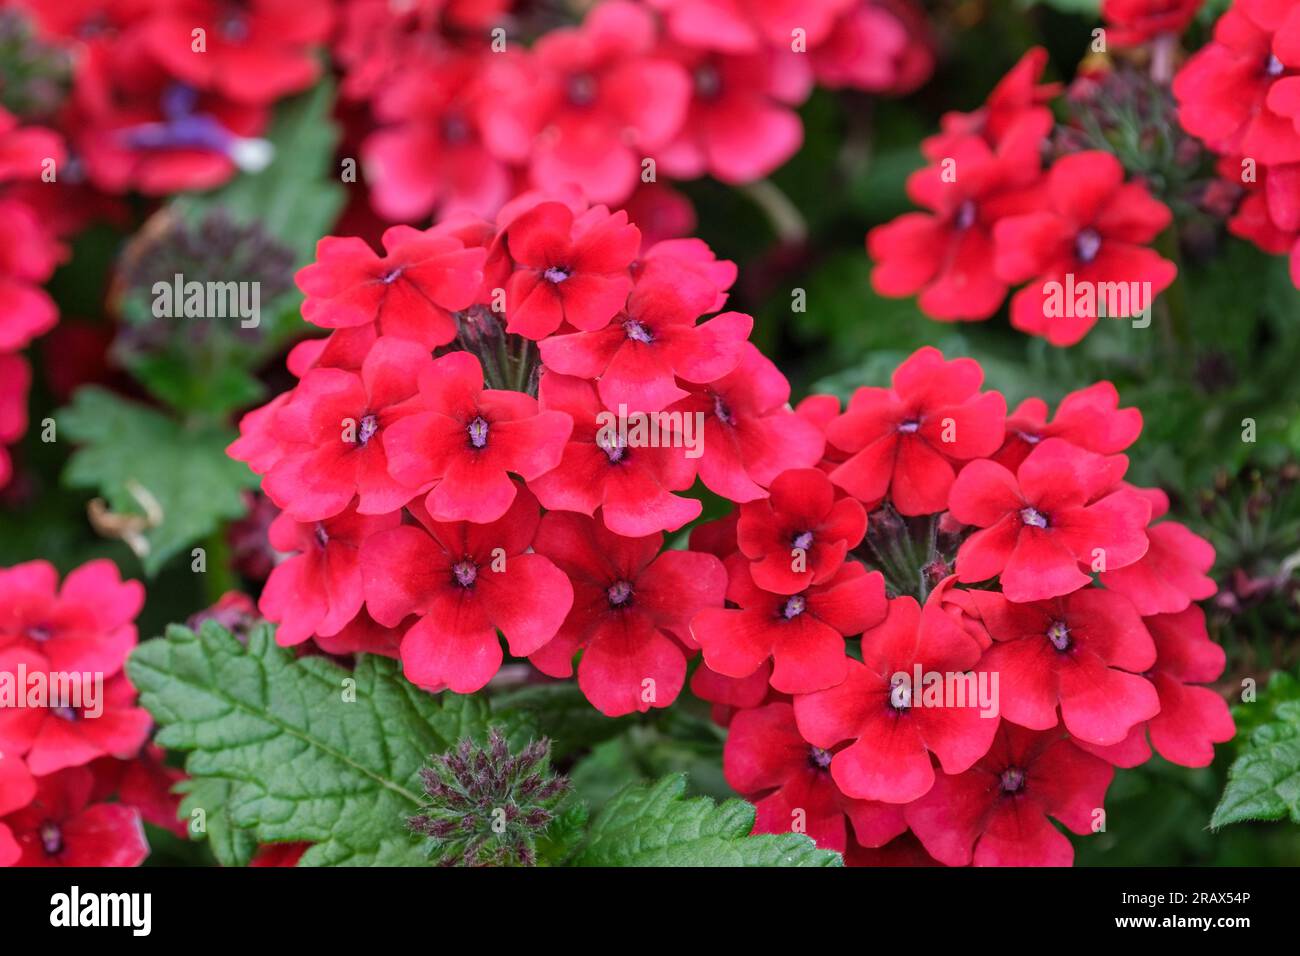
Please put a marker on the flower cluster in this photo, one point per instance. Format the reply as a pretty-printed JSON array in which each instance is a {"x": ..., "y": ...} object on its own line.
[
  {"x": 1240, "y": 95},
  {"x": 71, "y": 735},
  {"x": 466, "y": 115},
  {"x": 1027, "y": 624},
  {"x": 1073, "y": 231}
]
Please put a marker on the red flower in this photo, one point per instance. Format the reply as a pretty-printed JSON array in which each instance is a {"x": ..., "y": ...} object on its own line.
[
  {"x": 17, "y": 788},
  {"x": 1060, "y": 510},
  {"x": 731, "y": 695},
  {"x": 746, "y": 25},
  {"x": 802, "y": 633},
  {"x": 409, "y": 292},
  {"x": 750, "y": 433},
  {"x": 800, "y": 534},
  {"x": 28, "y": 257},
  {"x": 85, "y": 625},
  {"x": 632, "y": 487},
  {"x": 67, "y": 735},
  {"x": 568, "y": 270},
  {"x": 881, "y": 46},
  {"x": 467, "y": 439},
  {"x": 1089, "y": 239},
  {"x": 1090, "y": 418},
  {"x": 1134, "y": 22},
  {"x": 892, "y": 726},
  {"x": 904, "y": 441},
  {"x": 740, "y": 125},
  {"x": 631, "y": 612},
  {"x": 1240, "y": 93},
  {"x": 946, "y": 254},
  {"x": 587, "y": 103},
  {"x": 466, "y": 582},
  {"x": 638, "y": 359},
  {"x": 996, "y": 813},
  {"x": 1172, "y": 574},
  {"x": 1192, "y": 718},
  {"x": 1083, "y": 651},
  {"x": 318, "y": 590},
  {"x": 253, "y": 52},
  {"x": 335, "y": 435},
  {"x": 789, "y": 782},
  {"x": 60, "y": 827}
]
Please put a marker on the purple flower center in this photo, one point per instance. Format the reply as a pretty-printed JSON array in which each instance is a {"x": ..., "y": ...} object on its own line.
[
  {"x": 366, "y": 430},
  {"x": 556, "y": 274},
  {"x": 455, "y": 130},
  {"x": 908, "y": 427},
  {"x": 723, "y": 411},
  {"x": 795, "y": 606},
  {"x": 466, "y": 572},
  {"x": 1013, "y": 779},
  {"x": 392, "y": 277},
  {"x": 1033, "y": 518},
  {"x": 478, "y": 432},
  {"x": 40, "y": 633},
  {"x": 900, "y": 693},
  {"x": 1059, "y": 635},
  {"x": 803, "y": 540},
  {"x": 1087, "y": 244},
  {"x": 619, "y": 593},
  {"x": 51, "y": 837},
  {"x": 821, "y": 759},
  {"x": 234, "y": 28},
  {"x": 1273, "y": 66},
  {"x": 65, "y": 713},
  {"x": 322, "y": 536},
  {"x": 581, "y": 89},
  {"x": 708, "y": 82},
  {"x": 615, "y": 450},
  {"x": 637, "y": 332},
  {"x": 966, "y": 214},
  {"x": 1029, "y": 439}
]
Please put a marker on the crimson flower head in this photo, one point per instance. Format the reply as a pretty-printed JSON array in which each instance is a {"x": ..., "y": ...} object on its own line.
[
  {"x": 1134, "y": 22},
  {"x": 632, "y": 608},
  {"x": 638, "y": 358},
  {"x": 632, "y": 486},
  {"x": 996, "y": 813},
  {"x": 748, "y": 25},
  {"x": 750, "y": 433},
  {"x": 802, "y": 633},
  {"x": 906, "y": 441},
  {"x": 568, "y": 270},
  {"x": 333, "y": 431},
  {"x": 1060, "y": 510},
  {"x": 409, "y": 292},
  {"x": 587, "y": 103},
  {"x": 464, "y": 582},
  {"x": 1172, "y": 574},
  {"x": 466, "y": 440},
  {"x": 318, "y": 590},
  {"x": 892, "y": 726},
  {"x": 800, "y": 534},
  {"x": 253, "y": 52},
  {"x": 61, "y": 827},
  {"x": 1084, "y": 651},
  {"x": 1090, "y": 238},
  {"x": 789, "y": 782},
  {"x": 1090, "y": 418}
]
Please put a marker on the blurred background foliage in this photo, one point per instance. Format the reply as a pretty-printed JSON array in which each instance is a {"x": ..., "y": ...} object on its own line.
[{"x": 1224, "y": 346}]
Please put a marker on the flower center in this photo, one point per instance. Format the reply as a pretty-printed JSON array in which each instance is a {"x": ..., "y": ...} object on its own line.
[
  {"x": 619, "y": 593},
  {"x": 556, "y": 274},
  {"x": 637, "y": 332},
  {"x": 820, "y": 759},
  {"x": 1013, "y": 779},
  {"x": 51, "y": 837},
  {"x": 966, "y": 214},
  {"x": 900, "y": 692},
  {"x": 392, "y": 277},
  {"x": 478, "y": 432},
  {"x": 322, "y": 536},
  {"x": 366, "y": 430},
  {"x": 803, "y": 540},
  {"x": 234, "y": 28},
  {"x": 581, "y": 89},
  {"x": 613, "y": 448},
  {"x": 1059, "y": 635},
  {"x": 1033, "y": 518},
  {"x": 64, "y": 713},
  {"x": 1029, "y": 438},
  {"x": 794, "y": 607},
  {"x": 1273, "y": 66},
  {"x": 1087, "y": 244},
  {"x": 455, "y": 131},
  {"x": 40, "y": 633},
  {"x": 723, "y": 411},
  {"x": 466, "y": 572},
  {"x": 908, "y": 427},
  {"x": 708, "y": 82}
]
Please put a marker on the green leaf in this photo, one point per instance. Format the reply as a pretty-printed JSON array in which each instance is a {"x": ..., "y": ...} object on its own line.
[
  {"x": 299, "y": 759},
  {"x": 654, "y": 826},
  {"x": 231, "y": 844},
  {"x": 1264, "y": 782},
  {"x": 136, "y": 456}
]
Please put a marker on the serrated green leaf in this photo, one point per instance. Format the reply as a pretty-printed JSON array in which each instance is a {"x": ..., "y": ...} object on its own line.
[
  {"x": 231, "y": 845},
  {"x": 129, "y": 451},
  {"x": 1264, "y": 782},
  {"x": 302, "y": 762},
  {"x": 654, "y": 826}
]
